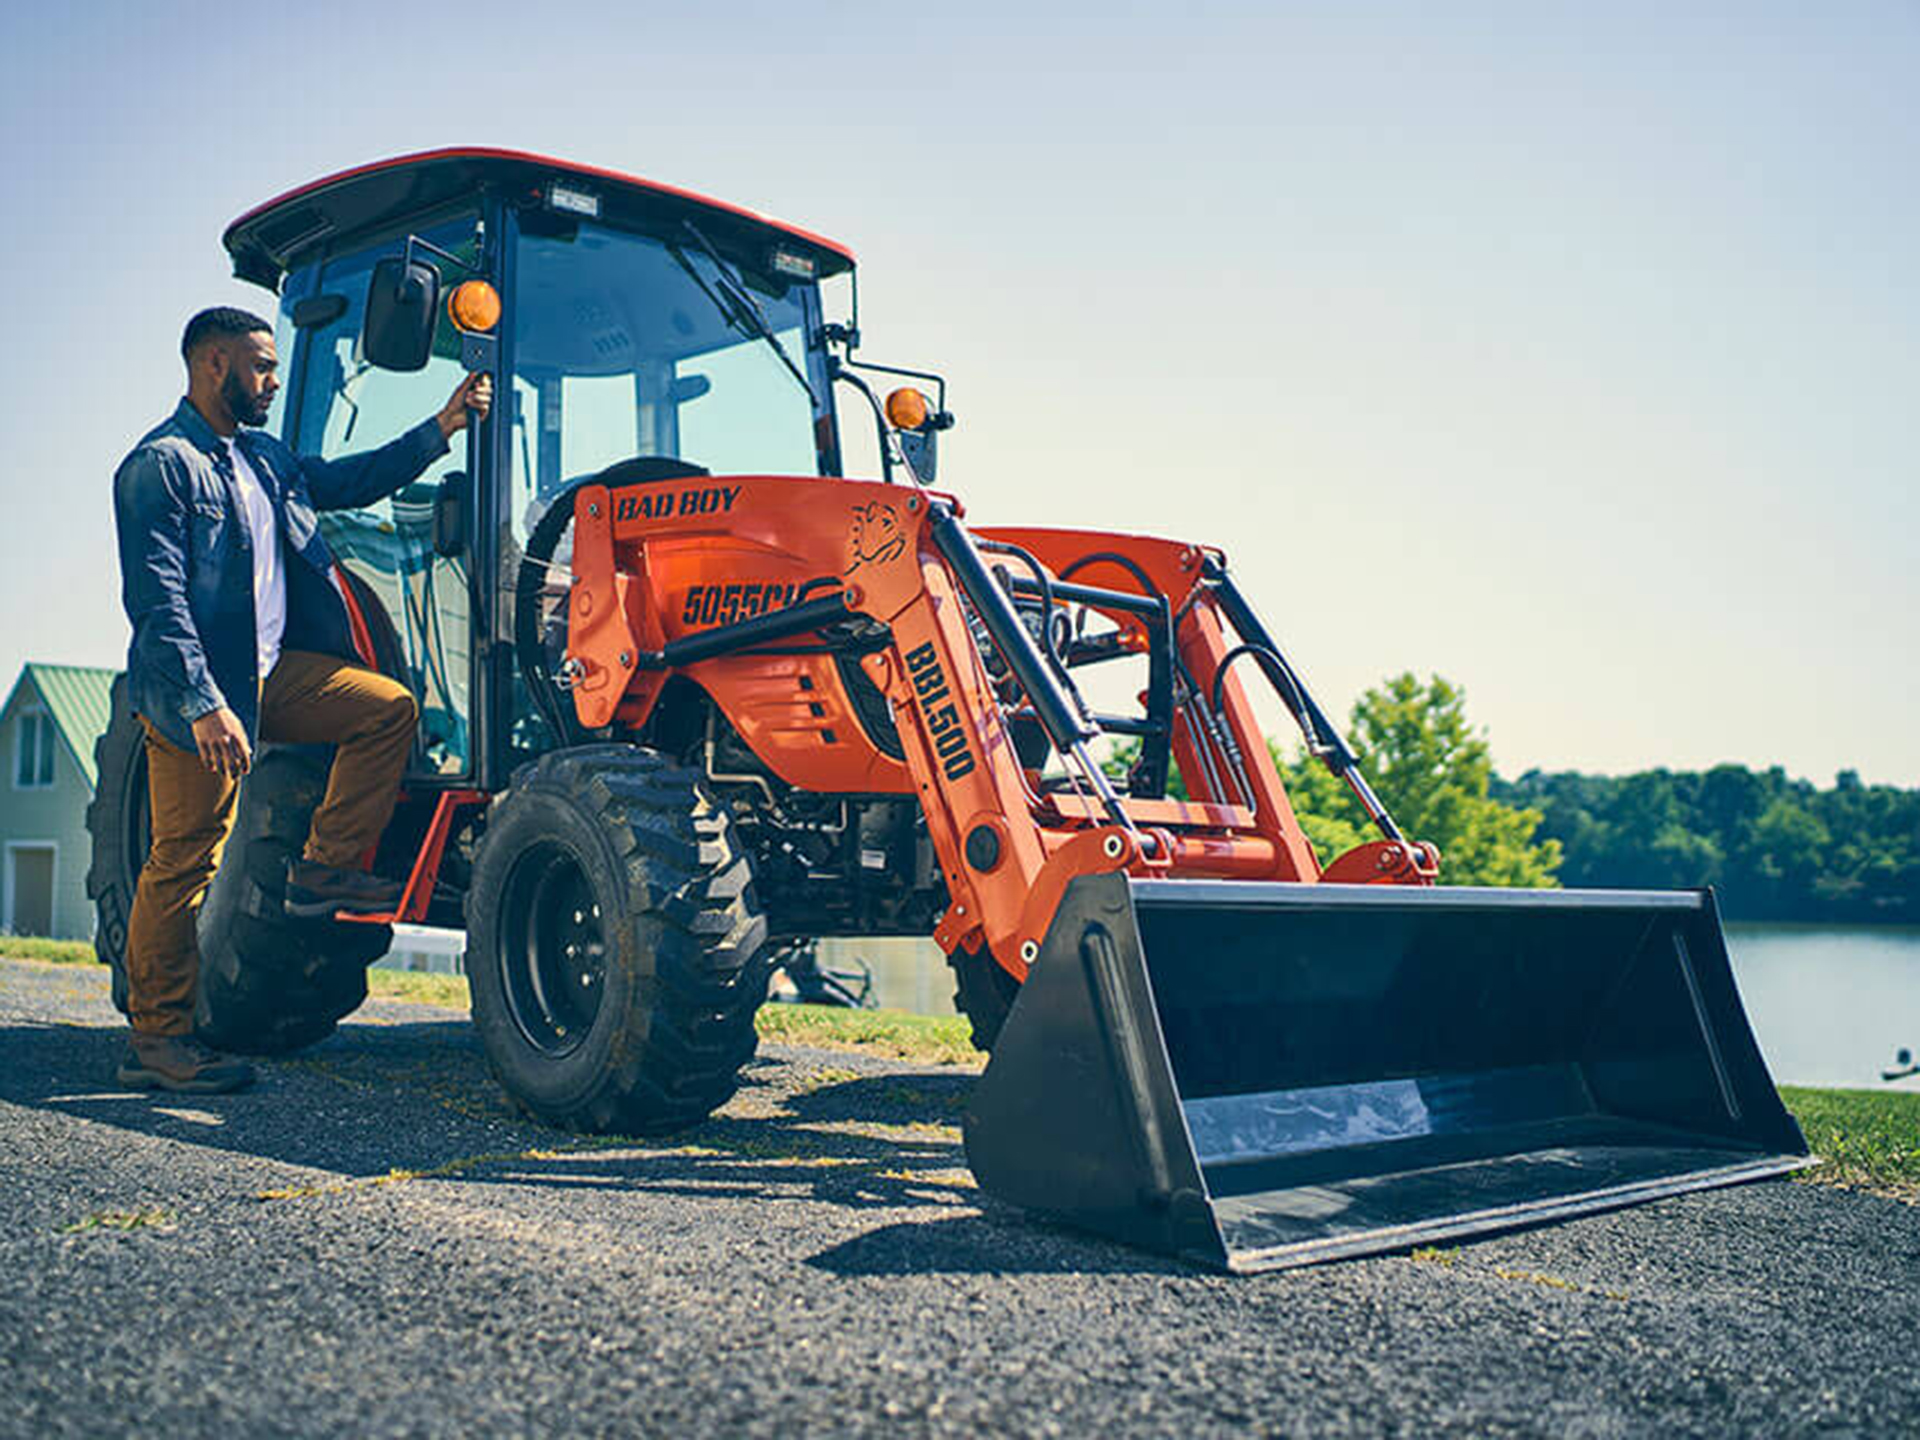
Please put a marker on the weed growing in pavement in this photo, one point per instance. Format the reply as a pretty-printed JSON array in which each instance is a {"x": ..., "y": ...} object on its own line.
[
  {"x": 434, "y": 1172},
  {"x": 1448, "y": 1258},
  {"x": 1555, "y": 1282},
  {"x": 1552, "y": 1282},
  {"x": 154, "y": 1217},
  {"x": 814, "y": 1080}
]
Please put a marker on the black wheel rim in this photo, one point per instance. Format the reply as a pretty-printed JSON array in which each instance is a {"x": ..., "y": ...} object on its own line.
[{"x": 554, "y": 950}]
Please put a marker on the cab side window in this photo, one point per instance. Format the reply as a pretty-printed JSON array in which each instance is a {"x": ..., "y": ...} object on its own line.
[{"x": 349, "y": 406}]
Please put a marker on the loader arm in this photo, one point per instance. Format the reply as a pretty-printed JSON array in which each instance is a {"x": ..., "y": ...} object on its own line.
[{"x": 961, "y": 671}]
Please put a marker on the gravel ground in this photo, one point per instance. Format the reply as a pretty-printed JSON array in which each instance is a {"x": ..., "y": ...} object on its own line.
[{"x": 370, "y": 1243}]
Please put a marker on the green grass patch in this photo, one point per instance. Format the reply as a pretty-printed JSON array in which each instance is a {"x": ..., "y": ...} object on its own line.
[
  {"x": 898, "y": 1034},
  {"x": 48, "y": 952},
  {"x": 448, "y": 991},
  {"x": 1869, "y": 1138}
]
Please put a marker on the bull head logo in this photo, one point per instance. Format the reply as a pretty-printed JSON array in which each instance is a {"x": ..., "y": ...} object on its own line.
[{"x": 875, "y": 537}]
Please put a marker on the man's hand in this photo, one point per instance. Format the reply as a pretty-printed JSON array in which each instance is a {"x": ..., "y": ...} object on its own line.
[
  {"x": 475, "y": 393},
  {"x": 222, "y": 742}
]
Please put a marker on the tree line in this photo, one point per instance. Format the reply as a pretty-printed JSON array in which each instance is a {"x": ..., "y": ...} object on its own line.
[{"x": 1775, "y": 848}]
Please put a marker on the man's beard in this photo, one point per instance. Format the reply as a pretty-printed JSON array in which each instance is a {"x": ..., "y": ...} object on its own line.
[{"x": 246, "y": 409}]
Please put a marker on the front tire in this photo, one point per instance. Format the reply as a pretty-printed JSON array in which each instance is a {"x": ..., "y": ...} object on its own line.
[
  {"x": 616, "y": 951},
  {"x": 983, "y": 992}
]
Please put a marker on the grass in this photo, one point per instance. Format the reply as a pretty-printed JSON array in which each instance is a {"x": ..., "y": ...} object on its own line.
[
  {"x": 898, "y": 1034},
  {"x": 1868, "y": 1138},
  {"x": 447, "y": 991},
  {"x": 48, "y": 952}
]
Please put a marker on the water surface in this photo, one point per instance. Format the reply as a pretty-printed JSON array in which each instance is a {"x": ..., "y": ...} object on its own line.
[{"x": 1830, "y": 1004}]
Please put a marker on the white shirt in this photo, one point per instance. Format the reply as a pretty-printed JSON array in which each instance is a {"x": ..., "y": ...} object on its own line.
[{"x": 269, "y": 568}]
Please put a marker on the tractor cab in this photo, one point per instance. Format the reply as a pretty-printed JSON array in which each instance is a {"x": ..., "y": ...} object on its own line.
[{"x": 628, "y": 319}]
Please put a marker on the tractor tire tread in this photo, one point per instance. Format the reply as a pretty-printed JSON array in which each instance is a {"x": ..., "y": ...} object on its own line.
[{"x": 687, "y": 889}]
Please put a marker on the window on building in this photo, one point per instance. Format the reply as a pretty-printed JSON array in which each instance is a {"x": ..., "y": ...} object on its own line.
[{"x": 33, "y": 742}]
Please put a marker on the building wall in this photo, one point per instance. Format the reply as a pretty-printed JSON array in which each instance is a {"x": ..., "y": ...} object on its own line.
[{"x": 58, "y": 814}]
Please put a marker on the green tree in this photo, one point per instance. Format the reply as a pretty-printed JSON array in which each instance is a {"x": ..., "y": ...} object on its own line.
[{"x": 1432, "y": 769}]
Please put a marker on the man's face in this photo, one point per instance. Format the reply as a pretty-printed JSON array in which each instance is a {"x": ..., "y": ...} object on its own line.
[{"x": 252, "y": 376}]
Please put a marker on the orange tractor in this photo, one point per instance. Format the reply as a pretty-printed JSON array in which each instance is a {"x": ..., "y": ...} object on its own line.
[{"x": 689, "y": 697}]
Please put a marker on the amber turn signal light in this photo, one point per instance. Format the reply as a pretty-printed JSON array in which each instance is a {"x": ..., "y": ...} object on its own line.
[
  {"x": 474, "y": 306},
  {"x": 907, "y": 409}
]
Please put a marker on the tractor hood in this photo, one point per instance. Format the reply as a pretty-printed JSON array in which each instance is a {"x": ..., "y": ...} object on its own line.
[{"x": 271, "y": 238}]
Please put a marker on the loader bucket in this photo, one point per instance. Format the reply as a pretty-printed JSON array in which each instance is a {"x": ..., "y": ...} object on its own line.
[{"x": 1253, "y": 1076}]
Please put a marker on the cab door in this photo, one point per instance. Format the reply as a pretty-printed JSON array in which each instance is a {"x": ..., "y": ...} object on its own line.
[{"x": 423, "y": 600}]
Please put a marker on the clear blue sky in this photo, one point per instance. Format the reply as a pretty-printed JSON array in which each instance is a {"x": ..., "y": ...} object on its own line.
[{"x": 1569, "y": 351}]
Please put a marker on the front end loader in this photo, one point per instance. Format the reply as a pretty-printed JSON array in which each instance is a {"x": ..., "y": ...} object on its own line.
[{"x": 692, "y": 698}]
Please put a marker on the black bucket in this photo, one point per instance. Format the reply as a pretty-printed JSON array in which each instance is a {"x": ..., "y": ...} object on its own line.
[{"x": 1260, "y": 1075}]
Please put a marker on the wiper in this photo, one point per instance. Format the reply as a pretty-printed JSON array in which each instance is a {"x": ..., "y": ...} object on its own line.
[
  {"x": 343, "y": 387},
  {"x": 739, "y": 308}
]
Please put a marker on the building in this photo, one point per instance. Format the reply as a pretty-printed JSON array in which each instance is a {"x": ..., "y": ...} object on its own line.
[{"x": 47, "y": 730}]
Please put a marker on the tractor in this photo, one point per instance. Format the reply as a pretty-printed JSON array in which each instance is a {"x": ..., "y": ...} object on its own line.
[{"x": 691, "y": 697}]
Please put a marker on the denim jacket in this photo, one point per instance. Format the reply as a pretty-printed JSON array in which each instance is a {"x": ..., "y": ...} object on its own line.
[{"x": 186, "y": 561}]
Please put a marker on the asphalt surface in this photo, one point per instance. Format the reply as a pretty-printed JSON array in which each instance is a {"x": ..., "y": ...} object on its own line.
[{"x": 816, "y": 1261}]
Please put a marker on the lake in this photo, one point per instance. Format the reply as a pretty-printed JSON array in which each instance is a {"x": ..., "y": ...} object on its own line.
[{"x": 1830, "y": 1004}]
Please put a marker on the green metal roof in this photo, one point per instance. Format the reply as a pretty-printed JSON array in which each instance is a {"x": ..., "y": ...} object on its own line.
[{"x": 78, "y": 699}]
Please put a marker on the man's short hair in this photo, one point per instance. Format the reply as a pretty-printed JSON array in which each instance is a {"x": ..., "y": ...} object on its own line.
[{"x": 223, "y": 322}]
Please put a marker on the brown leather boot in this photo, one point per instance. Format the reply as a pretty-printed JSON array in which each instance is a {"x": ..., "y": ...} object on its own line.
[
  {"x": 316, "y": 891},
  {"x": 183, "y": 1064}
]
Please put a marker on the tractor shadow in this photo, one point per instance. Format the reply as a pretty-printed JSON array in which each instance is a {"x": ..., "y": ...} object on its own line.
[{"x": 389, "y": 1100}]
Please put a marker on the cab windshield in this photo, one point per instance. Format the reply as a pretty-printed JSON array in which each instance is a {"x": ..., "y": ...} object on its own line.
[{"x": 628, "y": 345}]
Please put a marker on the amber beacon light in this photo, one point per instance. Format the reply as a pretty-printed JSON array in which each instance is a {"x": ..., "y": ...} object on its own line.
[
  {"x": 907, "y": 409},
  {"x": 474, "y": 306}
]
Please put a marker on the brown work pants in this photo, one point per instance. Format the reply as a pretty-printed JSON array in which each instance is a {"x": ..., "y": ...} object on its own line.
[{"x": 308, "y": 699}]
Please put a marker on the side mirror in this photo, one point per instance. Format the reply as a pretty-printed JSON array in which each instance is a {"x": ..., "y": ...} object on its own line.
[
  {"x": 403, "y": 307},
  {"x": 922, "y": 450},
  {"x": 450, "y": 515}
]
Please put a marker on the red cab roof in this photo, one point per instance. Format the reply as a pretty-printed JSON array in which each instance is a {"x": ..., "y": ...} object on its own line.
[{"x": 267, "y": 240}]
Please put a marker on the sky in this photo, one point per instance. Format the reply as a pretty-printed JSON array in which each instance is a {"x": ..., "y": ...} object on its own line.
[{"x": 1569, "y": 352}]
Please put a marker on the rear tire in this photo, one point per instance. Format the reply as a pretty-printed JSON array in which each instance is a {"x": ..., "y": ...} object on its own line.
[
  {"x": 269, "y": 983},
  {"x": 117, "y": 822},
  {"x": 616, "y": 951}
]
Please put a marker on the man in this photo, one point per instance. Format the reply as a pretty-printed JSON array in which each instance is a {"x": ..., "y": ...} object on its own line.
[{"x": 240, "y": 632}]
